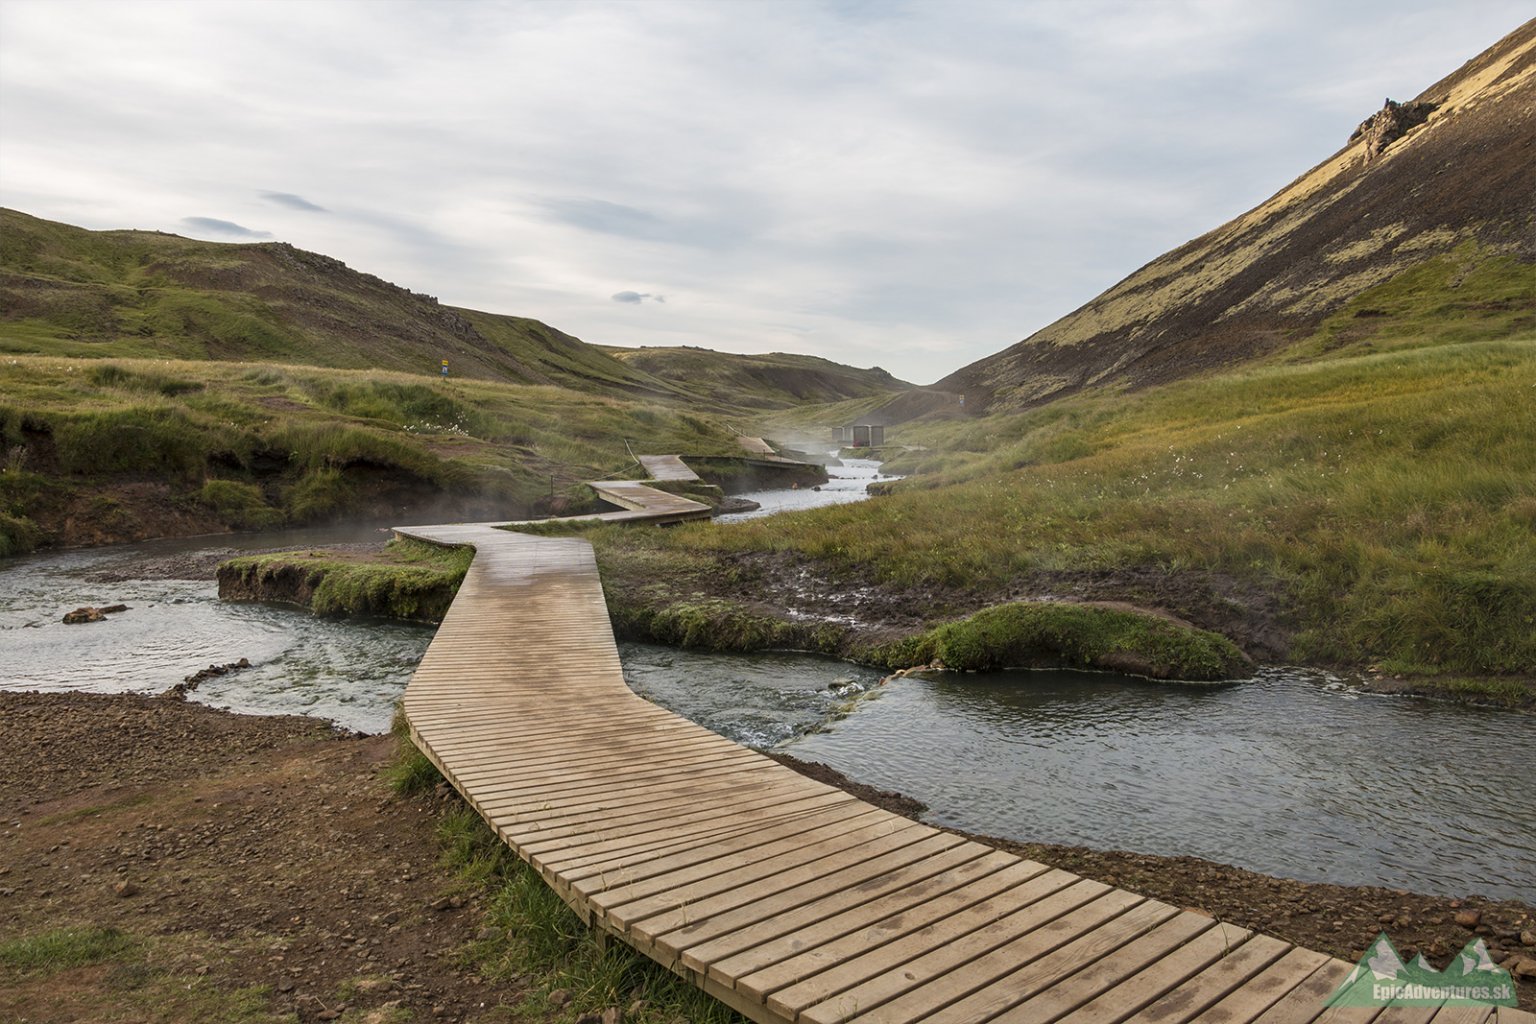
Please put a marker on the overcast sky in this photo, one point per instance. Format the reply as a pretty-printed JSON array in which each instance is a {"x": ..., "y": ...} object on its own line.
[{"x": 913, "y": 185}]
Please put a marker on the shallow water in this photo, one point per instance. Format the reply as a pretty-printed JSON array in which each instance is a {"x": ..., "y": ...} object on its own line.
[
  {"x": 1290, "y": 773},
  {"x": 847, "y": 483},
  {"x": 349, "y": 672}
]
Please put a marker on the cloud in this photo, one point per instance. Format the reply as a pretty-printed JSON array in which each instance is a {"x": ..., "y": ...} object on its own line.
[
  {"x": 223, "y": 227},
  {"x": 918, "y": 185},
  {"x": 293, "y": 202}
]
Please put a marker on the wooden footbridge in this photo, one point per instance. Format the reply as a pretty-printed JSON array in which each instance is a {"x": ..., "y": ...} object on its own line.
[{"x": 787, "y": 899}]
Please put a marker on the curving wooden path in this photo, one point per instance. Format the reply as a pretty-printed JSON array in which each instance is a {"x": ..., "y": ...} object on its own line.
[{"x": 783, "y": 897}]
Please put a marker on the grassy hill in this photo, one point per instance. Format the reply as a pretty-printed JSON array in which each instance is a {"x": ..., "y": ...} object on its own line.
[
  {"x": 153, "y": 385},
  {"x": 1448, "y": 172},
  {"x": 775, "y": 380},
  {"x": 66, "y": 291}
]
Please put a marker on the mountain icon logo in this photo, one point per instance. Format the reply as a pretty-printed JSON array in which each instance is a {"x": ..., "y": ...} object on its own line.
[{"x": 1382, "y": 978}]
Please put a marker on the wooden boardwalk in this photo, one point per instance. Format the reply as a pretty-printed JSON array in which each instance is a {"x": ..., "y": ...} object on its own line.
[
  {"x": 787, "y": 899},
  {"x": 668, "y": 468}
]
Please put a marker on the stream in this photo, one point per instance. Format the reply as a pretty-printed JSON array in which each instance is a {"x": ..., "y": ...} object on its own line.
[{"x": 1290, "y": 773}]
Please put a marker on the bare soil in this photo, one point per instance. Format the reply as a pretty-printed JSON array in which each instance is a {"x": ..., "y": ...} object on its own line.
[
  {"x": 247, "y": 852},
  {"x": 266, "y": 856}
]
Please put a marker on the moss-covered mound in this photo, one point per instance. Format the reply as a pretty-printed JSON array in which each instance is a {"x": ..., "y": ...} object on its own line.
[
  {"x": 408, "y": 580},
  {"x": 1053, "y": 634}
]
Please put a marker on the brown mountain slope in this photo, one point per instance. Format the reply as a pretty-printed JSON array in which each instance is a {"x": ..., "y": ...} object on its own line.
[{"x": 1405, "y": 189}]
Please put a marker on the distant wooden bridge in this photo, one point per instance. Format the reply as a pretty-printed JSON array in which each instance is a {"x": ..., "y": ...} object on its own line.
[{"x": 787, "y": 899}]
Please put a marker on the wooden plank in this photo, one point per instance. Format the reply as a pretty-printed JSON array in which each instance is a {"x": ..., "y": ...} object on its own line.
[
  {"x": 1198, "y": 993},
  {"x": 1266, "y": 988},
  {"x": 959, "y": 996},
  {"x": 1060, "y": 908},
  {"x": 895, "y": 943},
  {"x": 751, "y": 847},
  {"x": 714, "y": 929},
  {"x": 1157, "y": 961},
  {"x": 1465, "y": 1015},
  {"x": 1305, "y": 1002},
  {"x": 761, "y": 870}
]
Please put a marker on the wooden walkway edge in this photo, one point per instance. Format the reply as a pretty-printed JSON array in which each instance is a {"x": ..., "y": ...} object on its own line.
[{"x": 787, "y": 899}]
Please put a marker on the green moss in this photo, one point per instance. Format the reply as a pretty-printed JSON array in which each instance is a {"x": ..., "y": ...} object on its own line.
[
  {"x": 413, "y": 581},
  {"x": 1050, "y": 634}
]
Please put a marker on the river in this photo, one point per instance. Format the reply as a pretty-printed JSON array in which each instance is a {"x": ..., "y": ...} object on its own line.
[{"x": 1291, "y": 773}]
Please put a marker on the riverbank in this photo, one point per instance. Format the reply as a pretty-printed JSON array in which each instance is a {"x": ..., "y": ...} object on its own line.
[
  {"x": 754, "y": 600},
  {"x": 195, "y": 864}
]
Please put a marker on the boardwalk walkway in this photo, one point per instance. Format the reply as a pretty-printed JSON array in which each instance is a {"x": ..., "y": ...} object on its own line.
[
  {"x": 785, "y": 898},
  {"x": 668, "y": 468}
]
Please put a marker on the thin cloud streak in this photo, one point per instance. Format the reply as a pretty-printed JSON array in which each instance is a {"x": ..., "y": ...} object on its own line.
[
  {"x": 907, "y": 184},
  {"x": 213, "y": 225}
]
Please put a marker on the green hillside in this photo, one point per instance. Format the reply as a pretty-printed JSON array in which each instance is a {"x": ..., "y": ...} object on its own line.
[{"x": 70, "y": 292}]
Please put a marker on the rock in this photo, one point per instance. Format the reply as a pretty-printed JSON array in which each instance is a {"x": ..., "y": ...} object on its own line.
[
  {"x": 442, "y": 903},
  {"x": 113, "y": 609},
  {"x": 559, "y": 997},
  {"x": 1390, "y": 123},
  {"x": 613, "y": 1015},
  {"x": 1469, "y": 919},
  {"x": 1528, "y": 937},
  {"x": 80, "y": 615},
  {"x": 126, "y": 888},
  {"x": 1524, "y": 969},
  {"x": 589, "y": 1018},
  {"x": 286, "y": 985}
]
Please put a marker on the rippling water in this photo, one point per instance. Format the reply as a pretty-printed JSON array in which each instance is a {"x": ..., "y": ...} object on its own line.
[
  {"x": 761, "y": 700},
  {"x": 847, "y": 484},
  {"x": 1288, "y": 774},
  {"x": 348, "y": 672}
]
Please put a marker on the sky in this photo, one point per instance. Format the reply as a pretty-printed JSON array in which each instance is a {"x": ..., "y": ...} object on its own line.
[{"x": 912, "y": 185}]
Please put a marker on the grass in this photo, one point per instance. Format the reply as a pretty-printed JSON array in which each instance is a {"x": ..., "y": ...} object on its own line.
[
  {"x": 89, "y": 972},
  {"x": 532, "y": 934},
  {"x": 411, "y": 771},
  {"x": 1391, "y": 497},
  {"x": 410, "y": 580},
  {"x": 257, "y": 446},
  {"x": 64, "y": 948}
]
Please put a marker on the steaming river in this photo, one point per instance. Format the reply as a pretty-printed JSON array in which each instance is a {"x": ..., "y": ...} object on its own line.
[{"x": 1290, "y": 773}]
